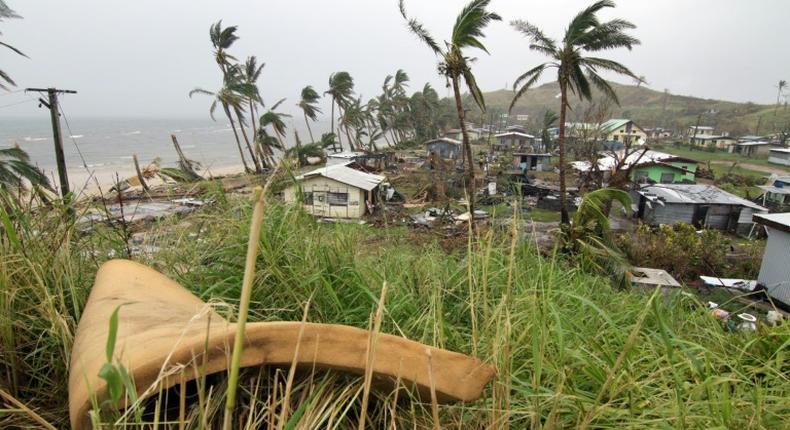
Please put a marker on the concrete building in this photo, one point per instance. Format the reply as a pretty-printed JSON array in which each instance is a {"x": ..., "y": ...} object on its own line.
[
  {"x": 525, "y": 161},
  {"x": 336, "y": 191},
  {"x": 775, "y": 268},
  {"x": 444, "y": 147},
  {"x": 779, "y": 156},
  {"x": 699, "y": 205},
  {"x": 716, "y": 141},
  {"x": 702, "y": 130}
]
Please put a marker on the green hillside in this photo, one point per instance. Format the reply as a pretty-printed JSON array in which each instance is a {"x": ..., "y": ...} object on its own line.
[{"x": 651, "y": 108}]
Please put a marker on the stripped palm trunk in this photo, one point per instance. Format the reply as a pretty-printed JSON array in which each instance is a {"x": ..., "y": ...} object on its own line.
[{"x": 470, "y": 168}]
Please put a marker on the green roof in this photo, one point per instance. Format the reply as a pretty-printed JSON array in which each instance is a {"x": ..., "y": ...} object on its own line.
[{"x": 613, "y": 124}]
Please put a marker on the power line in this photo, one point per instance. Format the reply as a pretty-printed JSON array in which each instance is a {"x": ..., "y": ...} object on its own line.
[
  {"x": 8, "y": 93},
  {"x": 71, "y": 135},
  {"x": 17, "y": 103}
]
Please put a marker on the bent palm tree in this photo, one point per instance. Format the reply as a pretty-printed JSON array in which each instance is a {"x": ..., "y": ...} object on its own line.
[
  {"x": 7, "y": 12},
  {"x": 308, "y": 103},
  {"x": 221, "y": 40},
  {"x": 275, "y": 120},
  {"x": 251, "y": 73},
  {"x": 15, "y": 168},
  {"x": 341, "y": 90},
  {"x": 230, "y": 101},
  {"x": 454, "y": 66},
  {"x": 576, "y": 72},
  {"x": 590, "y": 237}
]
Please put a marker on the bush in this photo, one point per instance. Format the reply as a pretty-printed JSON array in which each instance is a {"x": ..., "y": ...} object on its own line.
[{"x": 687, "y": 254}]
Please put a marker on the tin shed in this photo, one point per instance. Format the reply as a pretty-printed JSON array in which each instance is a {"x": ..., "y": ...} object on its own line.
[{"x": 775, "y": 268}]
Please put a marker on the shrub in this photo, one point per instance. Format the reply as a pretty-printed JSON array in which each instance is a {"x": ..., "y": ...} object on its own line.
[{"x": 686, "y": 253}]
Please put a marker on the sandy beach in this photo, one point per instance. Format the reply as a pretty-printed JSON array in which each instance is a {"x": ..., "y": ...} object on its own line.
[{"x": 93, "y": 182}]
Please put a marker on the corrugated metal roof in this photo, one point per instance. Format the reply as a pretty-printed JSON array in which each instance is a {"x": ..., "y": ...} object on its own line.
[
  {"x": 638, "y": 157},
  {"x": 778, "y": 219},
  {"x": 613, "y": 124},
  {"x": 346, "y": 175},
  {"x": 515, "y": 133},
  {"x": 695, "y": 194},
  {"x": 444, "y": 139}
]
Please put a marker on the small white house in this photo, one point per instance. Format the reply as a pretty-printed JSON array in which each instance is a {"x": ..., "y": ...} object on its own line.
[
  {"x": 775, "y": 269},
  {"x": 336, "y": 191},
  {"x": 779, "y": 156}
]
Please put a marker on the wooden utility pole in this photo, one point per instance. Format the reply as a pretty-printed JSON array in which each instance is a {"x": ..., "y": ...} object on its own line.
[{"x": 54, "y": 114}]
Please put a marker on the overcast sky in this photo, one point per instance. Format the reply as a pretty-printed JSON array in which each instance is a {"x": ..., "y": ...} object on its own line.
[{"x": 141, "y": 57}]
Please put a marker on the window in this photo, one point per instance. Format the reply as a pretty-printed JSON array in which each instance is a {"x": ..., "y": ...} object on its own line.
[
  {"x": 640, "y": 177},
  {"x": 667, "y": 178},
  {"x": 308, "y": 197},
  {"x": 337, "y": 199}
]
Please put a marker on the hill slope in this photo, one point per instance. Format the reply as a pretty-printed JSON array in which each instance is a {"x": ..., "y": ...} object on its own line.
[{"x": 651, "y": 108}]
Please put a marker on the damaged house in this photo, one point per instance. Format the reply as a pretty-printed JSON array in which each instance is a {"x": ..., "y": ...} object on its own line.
[
  {"x": 696, "y": 204},
  {"x": 336, "y": 191}
]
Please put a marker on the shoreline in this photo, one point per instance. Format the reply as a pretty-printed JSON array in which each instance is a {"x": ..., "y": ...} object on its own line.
[{"x": 87, "y": 184}]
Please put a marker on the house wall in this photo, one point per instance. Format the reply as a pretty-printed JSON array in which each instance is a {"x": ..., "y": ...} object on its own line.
[
  {"x": 319, "y": 186},
  {"x": 654, "y": 172},
  {"x": 621, "y": 135},
  {"x": 669, "y": 213},
  {"x": 719, "y": 216},
  {"x": 775, "y": 269},
  {"x": 444, "y": 149},
  {"x": 779, "y": 158}
]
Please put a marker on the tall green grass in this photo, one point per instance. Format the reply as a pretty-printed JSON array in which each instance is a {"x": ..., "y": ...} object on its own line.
[{"x": 570, "y": 351}]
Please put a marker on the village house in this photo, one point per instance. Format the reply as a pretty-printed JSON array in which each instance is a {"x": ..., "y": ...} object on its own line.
[
  {"x": 623, "y": 131},
  {"x": 775, "y": 268},
  {"x": 777, "y": 194},
  {"x": 716, "y": 141},
  {"x": 658, "y": 133},
  {"x": 695, "y": 204},
  {"x": 525, "y": 161},
  {"x": 702, "y": 130},
  {"x": 444, "y": 147},
  {"x": 779, "y": 156},
  {"x": 750, "y": 148},
  {"x": 647, "y": 166},
  {"x": 473, "y": 132},
  {"x": 336, "y": 191},
  {"x": 513, "y": 140}
]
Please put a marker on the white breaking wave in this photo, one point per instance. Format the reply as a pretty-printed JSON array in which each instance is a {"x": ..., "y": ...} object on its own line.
[
  {"x": 131, "y": 133},
  {"x": 77, "y": 136},
  {"x": 34, "y": 139}
]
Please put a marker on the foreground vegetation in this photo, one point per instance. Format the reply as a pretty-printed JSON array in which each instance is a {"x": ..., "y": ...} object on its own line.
[{"x": 570, "y": 350}]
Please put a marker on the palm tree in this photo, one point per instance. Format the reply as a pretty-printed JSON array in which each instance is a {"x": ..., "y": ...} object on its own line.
[
  {"x": 251, "y": 73},
  {"x": 341, "y": 89},
  {"x": 15, "y": 168},
  {"x": 236, "y": 80},
  {"x": 590, "y": 238},
  {"x": 230, "y": 101},
  {"x": 575, "y": 71},
  {"x": 308, "y": 102},
  {"x": 222, "y": 39},
  {"x": 780, "y": 87},
  {"x": 275, "y": 120},
  {"x": 453, "y": 65},
  {"x": 7, "y": 12},
  {"x": 549, "y": 119}
]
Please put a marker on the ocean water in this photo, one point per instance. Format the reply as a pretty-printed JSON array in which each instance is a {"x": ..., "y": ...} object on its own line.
[{"x": 109, "y": 143}]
